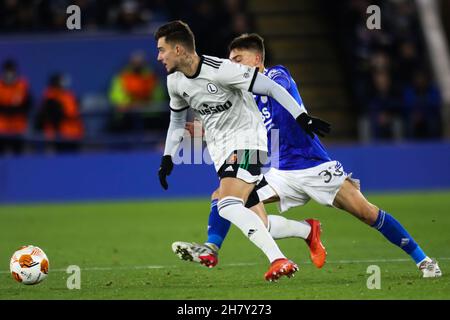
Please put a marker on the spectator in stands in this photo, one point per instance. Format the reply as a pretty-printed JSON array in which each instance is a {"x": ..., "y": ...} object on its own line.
[
  {"x": 408, "y": 61},
  {"x": 15, "y": 16},
  {"x": 422, "y": 108},
  {"x": 125, "y": 15},
  {"x": 129, "y": 16},
  {"x": 380, "y": 61},
  {"x": 391, "y": 58},
  {"x": 202, "y": 15},
  {"x": 237, "y": 19},
  {"x": 59, "y": 116},
  {"x": 403, "y": 20},
  {"x": 135, "y": 94},
  {"x": 382, "y": 106},
  {"x": 15, "y": 103}
]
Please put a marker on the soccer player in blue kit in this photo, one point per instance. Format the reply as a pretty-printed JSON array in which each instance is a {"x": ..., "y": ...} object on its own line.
[{"x": 303, "y": 171}]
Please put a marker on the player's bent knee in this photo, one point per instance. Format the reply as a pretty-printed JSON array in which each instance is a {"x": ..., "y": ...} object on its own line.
[
  {"x": 215, "y": 194},
  {"x": 234, "y": 187}
]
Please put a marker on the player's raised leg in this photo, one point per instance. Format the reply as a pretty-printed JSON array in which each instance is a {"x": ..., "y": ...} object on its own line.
[
  {"x": 207, "y": 253},
  {"x": 278, "y": 226},
  {"x": 310, "y": 230},
  {"x": 350, "y": 199},
  {"x": 233, "y": 194},
  {"x": 218, "y": 227}
]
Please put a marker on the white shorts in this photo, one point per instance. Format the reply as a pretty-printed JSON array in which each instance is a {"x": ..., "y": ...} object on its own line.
[{"x": 296, "y": 187}]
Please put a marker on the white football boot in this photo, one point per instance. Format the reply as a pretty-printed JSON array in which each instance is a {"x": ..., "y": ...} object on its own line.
[
  {"x": 191, "y": 251},
  {"x": 430, "y": 269}
]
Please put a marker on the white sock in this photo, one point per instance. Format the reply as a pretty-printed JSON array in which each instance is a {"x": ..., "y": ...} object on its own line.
[
  {"x": 212, "y": 246},
  {"x": 233, "y": 209},
  {"x": 280, "y": 227},
  {"x": 427, "y": 258}
]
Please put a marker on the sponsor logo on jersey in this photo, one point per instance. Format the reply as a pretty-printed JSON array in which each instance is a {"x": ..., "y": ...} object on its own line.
[
  {"x": 215, "y": 109},
  {"x": 266, "y": 117}
]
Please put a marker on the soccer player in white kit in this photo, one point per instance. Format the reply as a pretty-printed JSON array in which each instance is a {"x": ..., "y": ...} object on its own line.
[
  {"x": 220, "y": 94},
  {"x": 304, "y": 171}
]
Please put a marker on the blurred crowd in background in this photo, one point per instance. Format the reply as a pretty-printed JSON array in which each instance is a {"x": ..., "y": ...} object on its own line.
[
  {"x": 136, "y": 94},
  {"x": 389, "y": 73},
  {"x": 212, "y": 21}
]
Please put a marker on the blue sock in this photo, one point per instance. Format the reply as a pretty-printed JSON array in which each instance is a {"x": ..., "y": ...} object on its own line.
[
  {"x": 395, "y": 233},
  {"x": 217, "y": 226}
]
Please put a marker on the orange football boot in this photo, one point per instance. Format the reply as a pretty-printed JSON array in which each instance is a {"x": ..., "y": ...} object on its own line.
[
  {"x": 317, "y": 251},
  {"x": 281, "y": 267}
]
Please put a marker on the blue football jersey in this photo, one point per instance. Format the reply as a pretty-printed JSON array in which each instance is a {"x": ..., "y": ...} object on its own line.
[{"x": 296, "y": 150}]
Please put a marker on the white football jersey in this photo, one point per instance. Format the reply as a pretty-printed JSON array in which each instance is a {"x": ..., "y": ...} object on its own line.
[{"x": 220, "y": 95}]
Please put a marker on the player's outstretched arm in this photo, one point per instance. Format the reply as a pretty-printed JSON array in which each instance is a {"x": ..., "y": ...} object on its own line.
[
  {"x": 267, "y": 87},
  {"x": 173, "y": 139}
]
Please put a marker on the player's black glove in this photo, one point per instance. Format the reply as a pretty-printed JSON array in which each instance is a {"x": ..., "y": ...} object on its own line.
[
  {"x": 164, "y": 170},
  {"x": 313, "y": 125}
]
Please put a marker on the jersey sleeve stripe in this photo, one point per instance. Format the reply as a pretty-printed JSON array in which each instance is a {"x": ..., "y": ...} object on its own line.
[
  {"x": 212, "y": 61},
  {"x": 178, "y": 110},
  {"x": 211, "y": 65},
  {"x": 253, "y": 79}
]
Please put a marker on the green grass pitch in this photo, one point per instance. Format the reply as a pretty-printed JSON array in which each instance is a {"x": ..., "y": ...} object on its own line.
[{"x": 124, "y": 252}]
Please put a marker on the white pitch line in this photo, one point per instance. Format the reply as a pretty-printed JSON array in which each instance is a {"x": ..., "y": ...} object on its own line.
[{"x": 231, "y": 265}]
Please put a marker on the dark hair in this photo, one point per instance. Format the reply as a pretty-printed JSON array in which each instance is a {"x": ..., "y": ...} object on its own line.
[
  {"x": 252, "y": 41},
  {"x": 9, "y": 65},
  {"x": 55, "y": 79},
  {"x": 177, "y": 32}
]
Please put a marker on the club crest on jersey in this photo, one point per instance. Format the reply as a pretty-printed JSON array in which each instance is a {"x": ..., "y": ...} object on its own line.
[
  {"x": 211, "y": 88},
  {"x": 215, "y": 109}
]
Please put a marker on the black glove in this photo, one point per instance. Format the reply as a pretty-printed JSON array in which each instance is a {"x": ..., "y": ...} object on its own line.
[
  {"x": 164, "y": 170},
  {"x": 313, "y": 125}
]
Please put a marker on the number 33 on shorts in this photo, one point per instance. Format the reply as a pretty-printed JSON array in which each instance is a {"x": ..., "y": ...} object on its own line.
[{"x": 333, "y": 171}]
